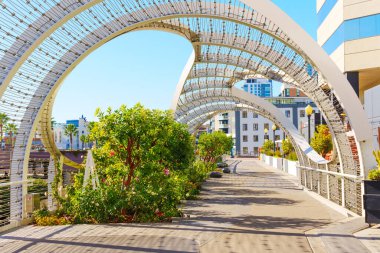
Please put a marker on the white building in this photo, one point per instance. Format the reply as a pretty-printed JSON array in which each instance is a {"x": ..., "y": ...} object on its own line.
[
  {"x": 372, "y": 107},
  {"x": 349, "y": 31},
  {"x": 250, "y": 126},
  {"x": 63, "y": 142}
]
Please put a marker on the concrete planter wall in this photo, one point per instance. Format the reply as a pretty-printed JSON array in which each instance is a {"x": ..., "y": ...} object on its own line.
[
  {"x": 277, "y": 163},
  {"x": 281, "y": 164},
  {"x": 372, "y": 201}
]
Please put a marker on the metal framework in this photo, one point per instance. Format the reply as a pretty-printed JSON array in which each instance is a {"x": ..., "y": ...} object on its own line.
[{"x": 42, "y": 41}]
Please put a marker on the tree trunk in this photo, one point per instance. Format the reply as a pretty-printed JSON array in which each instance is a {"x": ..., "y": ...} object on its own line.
[{"x": 71, "y": 142}]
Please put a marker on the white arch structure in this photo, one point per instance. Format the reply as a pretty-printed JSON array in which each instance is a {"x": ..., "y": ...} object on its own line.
[{"x": 43, "y": 41}]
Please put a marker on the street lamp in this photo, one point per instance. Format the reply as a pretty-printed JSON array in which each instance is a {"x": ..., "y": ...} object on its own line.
[
  {"x": 266, "y": 134},
  {"x": 309, "y": 112},
  {"x": 274, "y": 128}
]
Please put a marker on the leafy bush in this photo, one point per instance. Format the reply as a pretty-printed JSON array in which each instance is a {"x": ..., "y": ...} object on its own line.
[
  {"x": 211, "y": 146},
  {"x": 287, "y": 146},
  {"x": 277, "y": 154},
  {"x": 374, "y": 175},
  {"x": 267, "y": 147},
  {"x": 145, "y": 165},
  {"x": 292, "y": 156},
  {"x": 377, "y": 157},
  {"x": 322, "y": 140},
  {"x": 269, "y": 153},
  {"x": 43, "y": 217}
]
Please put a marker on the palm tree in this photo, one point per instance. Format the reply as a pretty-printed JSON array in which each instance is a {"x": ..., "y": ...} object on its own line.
[
  {"x": 11, "y": 129},
  {"x": 71, "y": 130},
  {"x": 83, "y": 139},
  {"x": 3, "y": 121}
]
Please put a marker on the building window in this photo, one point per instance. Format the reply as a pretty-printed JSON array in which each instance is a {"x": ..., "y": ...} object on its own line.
[
  {"x": 255, "y": 138},
  {"x": 255, "y": 127},
  {"x": 298, "y": 93},
  {"x": 255, "y": 115},
  {"x": 266, "y": 126},
  {"x": 245, "y": 114},
  {"x": 245, "y": 127},
  {"x": 245, "y": 138},
  {"x": 277, "y": 138},
  {"x": 302, "y": 113},
  {"x": 245, "y": 150},
  {"x": 287, "y": 113},
  {"x": 256, "y": 150}
]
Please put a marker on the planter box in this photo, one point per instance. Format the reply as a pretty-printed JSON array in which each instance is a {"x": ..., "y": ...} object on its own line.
[
  {"x": 371, "y": 202},
  {"x": 292, "y": 168},
  {"x": 277, "y": 163}
]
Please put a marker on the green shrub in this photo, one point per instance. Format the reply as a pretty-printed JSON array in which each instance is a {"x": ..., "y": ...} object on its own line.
[
  {"x": 43, "y": 217},
  {"x": 377, "y": 157},
  {"x": 267, "y": 146},
  {"x": 292, "y": 156},
  {"x": 277, "y": 154},
  {"x": 287, "y": 146},
  {"x": 374, "y": 175},
  {"x": 269, "y": 153}
]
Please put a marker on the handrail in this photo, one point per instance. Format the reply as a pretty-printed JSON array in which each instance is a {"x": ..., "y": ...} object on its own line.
[
  {"x": 339, "y": 174},
  {"x": 16, "y": 183}
]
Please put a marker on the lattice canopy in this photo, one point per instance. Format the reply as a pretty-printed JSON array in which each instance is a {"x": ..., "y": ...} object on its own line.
[{"x": 42, "y": 41}]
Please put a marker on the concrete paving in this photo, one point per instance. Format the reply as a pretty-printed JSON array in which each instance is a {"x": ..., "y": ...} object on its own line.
[{"x": 256, "y": 209}]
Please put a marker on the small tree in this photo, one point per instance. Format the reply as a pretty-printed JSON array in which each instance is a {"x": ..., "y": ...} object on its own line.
[
  {"x": 267, "y": 147},
  {"x": 11, "y": 129},
  {"x": 71, "y": 130},
  {"x": 212, "y": 146},
  {"x": 322, "y": 141},
  {"x": 142, "y": 141},
  {"x": 3, "y": 121},
  {"x": 287, "y": 147},
  {"x": 83, "y": 139}
]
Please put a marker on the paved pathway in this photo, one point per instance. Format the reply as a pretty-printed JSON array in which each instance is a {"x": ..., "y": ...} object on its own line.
[{"x": 254, "y": 210}]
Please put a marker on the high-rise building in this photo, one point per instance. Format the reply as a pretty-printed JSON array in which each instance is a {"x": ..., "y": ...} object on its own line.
[
  {"x": 259, "y": 87},
  {"x": 349, "y": 31}
]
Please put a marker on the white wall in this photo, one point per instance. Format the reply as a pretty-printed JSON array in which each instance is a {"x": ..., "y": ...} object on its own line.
[{"x": 372, "y": 107}]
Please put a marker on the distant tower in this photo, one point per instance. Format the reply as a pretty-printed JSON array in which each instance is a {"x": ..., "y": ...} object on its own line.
[{"x": 259, "y": 87}]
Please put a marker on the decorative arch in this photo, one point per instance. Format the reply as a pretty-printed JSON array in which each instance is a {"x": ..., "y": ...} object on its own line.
[{"x": 232, "y": 40}]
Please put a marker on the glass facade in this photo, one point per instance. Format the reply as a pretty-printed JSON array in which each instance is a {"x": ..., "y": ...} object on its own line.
[
  {"x": 259, "y": 87},
  {"x": 325, "y": 10},
  {"x": 73, "y": 122},
  {"x": 353, "y": 29}
]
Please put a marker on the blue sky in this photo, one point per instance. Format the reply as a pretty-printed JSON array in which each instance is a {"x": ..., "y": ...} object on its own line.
[{"x": 141, "y": 67}]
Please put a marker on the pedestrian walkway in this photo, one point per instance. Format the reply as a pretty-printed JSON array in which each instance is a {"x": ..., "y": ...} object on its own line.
[{"x": 256, "y": 209}]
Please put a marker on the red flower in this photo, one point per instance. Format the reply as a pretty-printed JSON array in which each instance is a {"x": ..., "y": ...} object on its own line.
[
  {"x": 159, "y": 213},
  {"x": 112, "y": 153},
  {"x": 166, "y": 172}
]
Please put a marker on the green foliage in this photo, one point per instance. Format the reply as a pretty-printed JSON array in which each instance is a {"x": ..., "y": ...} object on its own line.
[
  {"x": 277, "y": 154},
  {"x": 3, "y": 121},
  {"x": 377, "y": 157},
  {"x": 322, "y": 141},
  {"x": 374, "y": 174},
  {"x": 43, "y": 217},
  {"x": 269, "y": 153},
  {"x": 292, "y": 156},
  {"x": 145, "y": 164},
  {"x": 287, "y": 146},
  {"x": 211, "y": 146},
  {"x": 71, "y": 130},
  {"x": 267, "y": 147}
]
